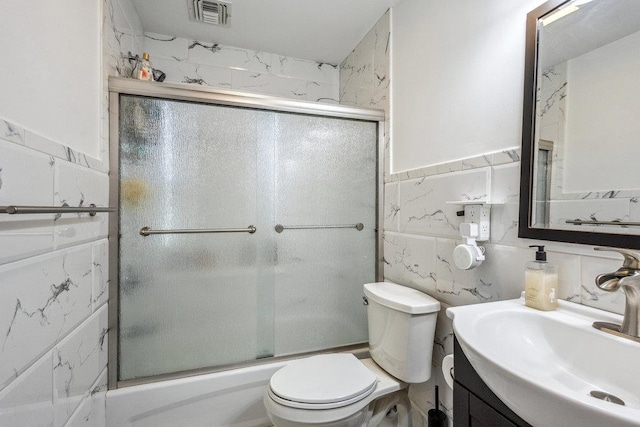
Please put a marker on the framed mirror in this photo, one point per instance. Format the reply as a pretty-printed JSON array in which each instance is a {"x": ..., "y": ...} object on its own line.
[{"x": 580, "y": 177}]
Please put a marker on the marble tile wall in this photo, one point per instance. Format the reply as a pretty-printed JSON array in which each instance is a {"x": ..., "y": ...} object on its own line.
[
  {"x": 421, "y": 229},
  {"x": 225, "y": 67},
  {"x": 364, "y": 76},
  {"x": 54, "y": 269},
  {"x": 123, "y": 33},
  {"x": 53, "y": 285}
]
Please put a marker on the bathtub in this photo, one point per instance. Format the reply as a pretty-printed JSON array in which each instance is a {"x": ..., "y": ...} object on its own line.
[{"x": 228, "y": 398}]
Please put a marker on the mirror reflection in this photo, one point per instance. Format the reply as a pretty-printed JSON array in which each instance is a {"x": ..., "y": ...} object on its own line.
[{"x": 586, "y": 174}]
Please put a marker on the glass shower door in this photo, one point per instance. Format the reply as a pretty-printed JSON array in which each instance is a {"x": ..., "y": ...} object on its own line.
[
  {"x": 199, "y": 300},
  {"x": 189, "y": 301},
  {"x": 325, "y": 177}
]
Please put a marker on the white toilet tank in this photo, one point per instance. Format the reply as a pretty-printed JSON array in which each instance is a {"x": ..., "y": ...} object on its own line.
[{"x": 402, "y": 325}]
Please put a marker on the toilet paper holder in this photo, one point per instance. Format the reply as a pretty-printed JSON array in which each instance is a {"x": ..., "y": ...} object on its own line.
[{"x": 448, "y": 370}]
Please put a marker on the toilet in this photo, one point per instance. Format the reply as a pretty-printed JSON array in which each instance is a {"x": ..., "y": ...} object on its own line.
[{"x": 339, "y": 390}]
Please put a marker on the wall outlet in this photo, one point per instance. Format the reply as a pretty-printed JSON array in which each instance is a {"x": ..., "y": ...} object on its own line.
[{"x": 481, "y": 215}]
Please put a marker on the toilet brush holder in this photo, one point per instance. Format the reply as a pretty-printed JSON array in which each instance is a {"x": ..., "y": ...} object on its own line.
[{"x": 437, "y": 418}]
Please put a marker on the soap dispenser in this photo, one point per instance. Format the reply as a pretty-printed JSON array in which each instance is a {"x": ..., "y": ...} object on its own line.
[{"x": 541, "y": 282}]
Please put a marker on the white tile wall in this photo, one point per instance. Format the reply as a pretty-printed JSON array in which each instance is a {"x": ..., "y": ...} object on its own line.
[
  {"x": 21, "y": 169},
  {"x": 424, "y": 201},
  {"x": 78, "y": 361},
  {"x": 79, "y": 186},
  {"x": 227, "y": 67},
  {"x": 54, "y": 269},
  {"x": 93, "y": 407},
  {"x": 42, "y": 299},
  {"x": 591, "y": 267},
  {"x": 100, "y": 273},
  {"x": 28, "y": 401},
  {"x": 123, "y": 33},
  {"x": 10, "y": 132},
  {"x": 53, "y": 286},
  {"x": 411, "y": 260}
]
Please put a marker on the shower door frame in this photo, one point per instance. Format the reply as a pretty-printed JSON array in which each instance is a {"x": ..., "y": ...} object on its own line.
[{"x": 205, "y": 95}]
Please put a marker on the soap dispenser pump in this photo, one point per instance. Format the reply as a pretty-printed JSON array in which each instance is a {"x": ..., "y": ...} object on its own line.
[{"x": 541, "y": 282}]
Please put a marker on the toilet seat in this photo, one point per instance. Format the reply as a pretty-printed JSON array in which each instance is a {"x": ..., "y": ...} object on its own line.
[
  {"x": 322, "y": 382},
  {"x": 282, "y": 413}
]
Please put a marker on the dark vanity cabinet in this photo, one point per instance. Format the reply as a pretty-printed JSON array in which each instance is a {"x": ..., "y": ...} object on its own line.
[{"x": 473, "y": 403}]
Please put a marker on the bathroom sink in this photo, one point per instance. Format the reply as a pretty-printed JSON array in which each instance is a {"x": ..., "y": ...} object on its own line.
[{"x": 545, "y": 365}]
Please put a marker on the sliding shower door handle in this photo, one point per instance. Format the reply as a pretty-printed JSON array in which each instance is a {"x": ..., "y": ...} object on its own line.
[
  {"x": 147, "y": 231},
  {"x": 280, "y": 228}
]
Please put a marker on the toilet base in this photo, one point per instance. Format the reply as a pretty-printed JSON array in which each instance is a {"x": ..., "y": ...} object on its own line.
[{"x": 376, "y": 414}]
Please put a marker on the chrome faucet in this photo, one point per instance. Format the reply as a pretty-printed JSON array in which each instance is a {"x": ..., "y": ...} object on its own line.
[{"x": 626, "y": 277}]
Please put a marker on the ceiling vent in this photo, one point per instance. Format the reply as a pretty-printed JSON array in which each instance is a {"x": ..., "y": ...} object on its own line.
[{"x": 211, "y": 12}]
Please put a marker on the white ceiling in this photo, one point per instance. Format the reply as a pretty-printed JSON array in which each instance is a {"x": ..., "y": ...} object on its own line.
[{"x": 323, "y": 31}]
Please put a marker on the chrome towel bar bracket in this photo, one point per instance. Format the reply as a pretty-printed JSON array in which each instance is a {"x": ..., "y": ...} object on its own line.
[{"x": 147, "y": 231}]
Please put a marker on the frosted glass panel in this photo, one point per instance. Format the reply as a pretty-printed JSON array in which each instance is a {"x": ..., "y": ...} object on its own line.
[
  {"x": 325, "y": 175},
  {"x": 326, "y": 170},
  {"x": 191, "y": 300},
  {"x": 319, "y": 278}
]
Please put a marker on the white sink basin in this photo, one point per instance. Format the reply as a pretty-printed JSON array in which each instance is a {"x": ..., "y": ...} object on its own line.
[{"x": 543, "y": 365}]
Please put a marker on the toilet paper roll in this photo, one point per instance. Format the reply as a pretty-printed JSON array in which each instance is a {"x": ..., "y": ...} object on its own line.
[{"x": 447, "y": 370}]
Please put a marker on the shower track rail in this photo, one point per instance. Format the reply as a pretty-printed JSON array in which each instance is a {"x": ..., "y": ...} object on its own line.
[
  {"x": 146, "y": 231},
  {"x": 91, "y": 209}
]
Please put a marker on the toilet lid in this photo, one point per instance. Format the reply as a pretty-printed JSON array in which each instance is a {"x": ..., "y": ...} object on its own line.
[{"x": 324, "y": 379}]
